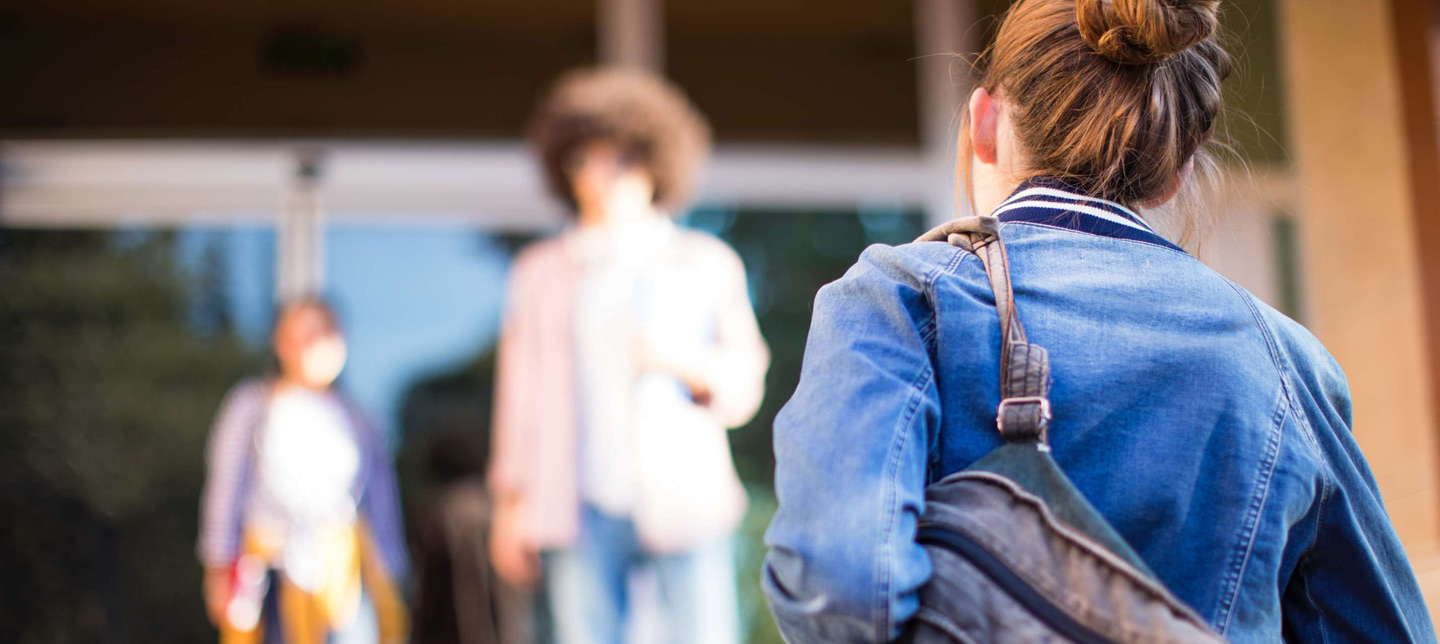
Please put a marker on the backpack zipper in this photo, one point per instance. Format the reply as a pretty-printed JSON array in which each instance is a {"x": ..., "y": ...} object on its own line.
[{"x": 1029, "y": 598}]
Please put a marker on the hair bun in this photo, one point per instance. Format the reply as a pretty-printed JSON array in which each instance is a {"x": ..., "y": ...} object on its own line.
[{"x": 1145, "y": 32}]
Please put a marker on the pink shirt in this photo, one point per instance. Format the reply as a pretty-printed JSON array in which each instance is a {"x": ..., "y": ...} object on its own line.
[{"x": 686, "y": 486}]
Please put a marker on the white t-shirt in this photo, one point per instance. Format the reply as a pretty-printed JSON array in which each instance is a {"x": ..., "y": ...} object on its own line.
[
  {"x": 612, "y": 301},
  {"x": 306, "y": 477}
]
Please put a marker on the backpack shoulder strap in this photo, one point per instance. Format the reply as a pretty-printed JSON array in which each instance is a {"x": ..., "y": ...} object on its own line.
[{"x": 1024, "y": 412}]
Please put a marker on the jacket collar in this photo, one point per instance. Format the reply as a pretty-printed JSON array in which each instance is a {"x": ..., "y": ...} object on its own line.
[{"x": 1050, "y": 202}]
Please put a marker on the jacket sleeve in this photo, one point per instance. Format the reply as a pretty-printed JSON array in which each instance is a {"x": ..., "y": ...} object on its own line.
[
  {"x": 227, "y": 473},
  {"x": 1354, "y": 583},
  {"x": 380, "y": 506},
  {"x": 735, "y": 370},
  {"x": 509, "y": 431},
  {"x": 851, "y": 450}
]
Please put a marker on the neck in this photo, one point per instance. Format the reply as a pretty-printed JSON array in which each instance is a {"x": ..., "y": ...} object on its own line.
[
  {"x": 608, "y": 214},
  {"x": 287, "y": 383},
  {"x": 990, "y": 186}
]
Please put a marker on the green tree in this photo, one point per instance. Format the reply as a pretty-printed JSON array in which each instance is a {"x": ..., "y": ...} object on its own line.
[{"x": 113, "y": 358}]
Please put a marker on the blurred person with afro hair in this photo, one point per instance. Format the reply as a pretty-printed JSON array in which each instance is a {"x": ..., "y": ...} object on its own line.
[
  {"x": 628, "y": 348},
  {"x": 643, "y": 120}
]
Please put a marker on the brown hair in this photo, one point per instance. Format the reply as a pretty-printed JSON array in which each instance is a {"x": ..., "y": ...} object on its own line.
[
  {"x": 648, "y": 119},
  {"x": 314, "y": 302},
  {"x": 289, "y": 306},
  {"x": 1113, "y": 97}
]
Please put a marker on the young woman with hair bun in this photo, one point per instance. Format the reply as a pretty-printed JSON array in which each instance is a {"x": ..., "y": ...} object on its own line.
[{"x": 1212, "y": 432}]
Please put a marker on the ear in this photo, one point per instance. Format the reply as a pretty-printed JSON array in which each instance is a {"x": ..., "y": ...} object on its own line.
[
  {"x": 1176, "y": 183},
  {"x": 984, "y": 125}
]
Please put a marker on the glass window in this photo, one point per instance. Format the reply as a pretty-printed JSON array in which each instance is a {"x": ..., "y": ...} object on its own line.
[{"x": 414, "y": 302}]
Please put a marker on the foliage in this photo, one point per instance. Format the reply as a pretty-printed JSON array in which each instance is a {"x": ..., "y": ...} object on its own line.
[{"x": 113, "y": 359}]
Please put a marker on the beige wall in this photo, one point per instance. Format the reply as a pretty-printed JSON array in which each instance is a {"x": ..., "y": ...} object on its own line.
[{"x": 1360, "y": 251}]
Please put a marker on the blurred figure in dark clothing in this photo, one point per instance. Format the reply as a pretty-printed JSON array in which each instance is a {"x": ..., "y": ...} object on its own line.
[{"x": 460, "y": 598}]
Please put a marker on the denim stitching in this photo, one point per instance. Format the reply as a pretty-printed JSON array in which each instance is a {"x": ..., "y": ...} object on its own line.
[
  {"x": 1308, "y": 433},
  {"x": 927, "y": 333},
  {"x": 955, "y": 259},
  {"x": 1282, "y": 359},
  {"x": 897, "y": 449},
  {"x": 927, "y": 289},
  {"x": 1267, "y": 471},
  {"x": 1315, "y": 607},
  {"x": 931, "y": 336},
  {"x": 891, "y": 485},
  {"x": 933, "y": 275},
  {"x": 1307, "y": 561},
  {"x": 1235, "y": 577},
  {"x": 1118, "y": 239}
]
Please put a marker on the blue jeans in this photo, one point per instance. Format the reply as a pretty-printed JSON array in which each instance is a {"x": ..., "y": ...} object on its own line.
[
  {"x": 588, "y": 586},
  {"x": 363, "y": 629}
]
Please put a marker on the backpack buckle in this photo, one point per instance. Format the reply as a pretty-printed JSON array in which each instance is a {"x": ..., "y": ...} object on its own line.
[{"x": 1029, "y": 424}]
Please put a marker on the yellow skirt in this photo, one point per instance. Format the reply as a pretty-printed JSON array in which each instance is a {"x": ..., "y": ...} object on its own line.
[{"x": 352, "y": 562}]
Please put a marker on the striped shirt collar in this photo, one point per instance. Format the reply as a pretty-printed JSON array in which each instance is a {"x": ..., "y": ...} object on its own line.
[{"x": 1050, "y": 202}]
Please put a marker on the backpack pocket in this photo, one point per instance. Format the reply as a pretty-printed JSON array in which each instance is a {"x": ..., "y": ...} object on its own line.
[{"x": 1008, "y": 569}]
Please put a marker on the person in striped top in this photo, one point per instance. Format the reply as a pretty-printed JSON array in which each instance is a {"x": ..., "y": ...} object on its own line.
[{"x": 300, "y": 531}]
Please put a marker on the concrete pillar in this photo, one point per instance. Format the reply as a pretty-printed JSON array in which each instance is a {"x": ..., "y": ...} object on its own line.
[
  {"x": 945, "y": 42},
  {"x": 1355, "y": 158},
  {"x": 632, "y": 34},
  {"x": 300, "y": 234}
]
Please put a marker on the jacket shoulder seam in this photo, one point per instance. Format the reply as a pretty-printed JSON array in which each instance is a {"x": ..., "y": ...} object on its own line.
[
  {"x": 900, "y": 440},
  {"x": 932, "y": 323},
  {"x": 1283, "y": 368},
  {"x": 1287, "y": 407}
]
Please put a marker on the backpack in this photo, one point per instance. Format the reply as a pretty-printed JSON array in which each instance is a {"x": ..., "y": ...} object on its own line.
[{"x": 1019, "y": 555}]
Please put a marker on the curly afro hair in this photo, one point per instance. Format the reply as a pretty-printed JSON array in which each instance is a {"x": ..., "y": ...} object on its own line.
[{"x": 649, "y": 119}]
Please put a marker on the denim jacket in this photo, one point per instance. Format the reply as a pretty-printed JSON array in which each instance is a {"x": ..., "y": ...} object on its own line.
[{"x": 1210, "y": 430}]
